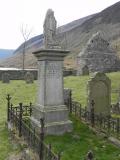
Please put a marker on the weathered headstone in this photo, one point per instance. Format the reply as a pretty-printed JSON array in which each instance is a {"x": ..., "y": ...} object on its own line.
[
  {"x": 6, "y": 78},
  {"x": 85, "y": 70},
  {"x": 67, "y": 95},
  {"x": 29, "y": 78},
  {"x": 50, "y": 102},
  {"x": 116, "y": 108},
  {"x": 99, "y": 90}
]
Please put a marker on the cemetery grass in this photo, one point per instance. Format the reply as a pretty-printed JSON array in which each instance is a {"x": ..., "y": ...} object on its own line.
[
  {"x": 22, "y": 92},
  {"x": 75, "y": 145},
  {"x": 78, "y": 84}
]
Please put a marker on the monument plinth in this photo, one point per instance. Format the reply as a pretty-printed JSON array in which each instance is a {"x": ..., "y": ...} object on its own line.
[{"x": 50, "y": 101}]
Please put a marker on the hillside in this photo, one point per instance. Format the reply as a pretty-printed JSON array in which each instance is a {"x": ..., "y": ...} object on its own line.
[
  {"x": 4, "y": 53},
  {"x": 74, "y": 36}
]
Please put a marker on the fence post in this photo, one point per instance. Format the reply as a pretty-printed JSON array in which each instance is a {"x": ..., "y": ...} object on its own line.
[
  {"x": 92, "y": 113},
  {"x": 70, "y": 102},
  {"x": 29, "y": 136},
  {"x": 34, "y": 132},
  {"x": 11, "y": 113},
  {"x": 30, "y": 108},
  {"x": 20, "y": 120},
  {"x": 8, "y": 107},
  {"x": 85, "y": 114},
  {"x": 80, "y": 112},
  {"x": 13, "y": 116},
  {"x": 100, "y": 120},
  {"x": 118, "y": 126},
  {"x": 109, "y": 125},
  {"x": 49, "y": 151},
  {"x": 41, "y": 156},
  {"x": 75, "y": 109}
]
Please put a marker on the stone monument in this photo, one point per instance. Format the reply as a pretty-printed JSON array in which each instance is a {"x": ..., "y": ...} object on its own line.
[
  {"x": 99, "y": 90},
  {"x": 98, "y": 55},
  {"x": 50, "y": 99}
]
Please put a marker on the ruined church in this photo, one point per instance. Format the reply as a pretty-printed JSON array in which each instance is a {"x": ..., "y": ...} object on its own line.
[{"x": 97, "y": 56}]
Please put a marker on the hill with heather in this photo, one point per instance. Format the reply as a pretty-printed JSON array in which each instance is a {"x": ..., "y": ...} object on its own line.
[{"x": 74, "y": 36}]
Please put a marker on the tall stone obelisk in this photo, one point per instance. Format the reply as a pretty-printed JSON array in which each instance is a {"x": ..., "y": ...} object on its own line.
[{"x": 50, "y": 102}]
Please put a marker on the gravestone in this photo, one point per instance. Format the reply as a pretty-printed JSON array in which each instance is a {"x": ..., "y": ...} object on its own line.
[
  {"x": 50, "y": 99},
  {"x": 85, "y": 70},
  {"x": 29, "y": 78},
  {"x": 5, "y": 78},
  {"x": 99, "y": 90},
  {"x": 67, "y": 95},
  {"x": 116, "y": 108}
]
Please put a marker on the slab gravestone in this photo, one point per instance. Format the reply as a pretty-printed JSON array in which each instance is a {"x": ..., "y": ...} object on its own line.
[
  {"x": 29, "y": 78},
  {"x": 6, "y": 78},
  {"x": 99, "y": 90},
  {"x": 116, "y": 108},
  {"x": 67, "y": 95},
  {"x": 50, "y": 99},
  {"x": 85, "y": 70}
]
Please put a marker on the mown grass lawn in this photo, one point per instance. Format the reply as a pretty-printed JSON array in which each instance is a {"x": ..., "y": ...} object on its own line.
[{"x": 75, "y": 149}]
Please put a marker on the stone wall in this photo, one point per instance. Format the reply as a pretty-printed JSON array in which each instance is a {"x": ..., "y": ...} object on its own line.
[
  {"x": 17, "y": 74},
  {"x": 69, "y": 72},
  {"x": 20, "y": 74}
]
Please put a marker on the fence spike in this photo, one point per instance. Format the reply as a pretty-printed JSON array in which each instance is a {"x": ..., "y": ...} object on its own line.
[
  {"x": 30, "y": 108},
  {"x": 20, "y": 119},
  {"x": 89, "y": 155},
  {"x": 92, "y": 113}
]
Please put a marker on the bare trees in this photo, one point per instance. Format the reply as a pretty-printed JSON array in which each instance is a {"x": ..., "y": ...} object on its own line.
[{"x": 25, "y": 34}]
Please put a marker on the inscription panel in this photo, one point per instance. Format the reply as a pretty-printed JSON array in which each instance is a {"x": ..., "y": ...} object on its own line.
[{"x": 54, "y": 69}]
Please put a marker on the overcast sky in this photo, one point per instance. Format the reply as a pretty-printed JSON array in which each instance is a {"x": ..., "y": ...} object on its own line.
[{"x": 15, "y": 13}]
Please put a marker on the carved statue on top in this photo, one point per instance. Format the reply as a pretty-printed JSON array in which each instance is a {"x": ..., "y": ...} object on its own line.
[{"x": 50, "y": 30}]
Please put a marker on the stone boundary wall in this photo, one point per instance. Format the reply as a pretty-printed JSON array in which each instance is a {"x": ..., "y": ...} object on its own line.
[
  {"x": 20, "y": 74},
  {"x": 69, "y": 72}
]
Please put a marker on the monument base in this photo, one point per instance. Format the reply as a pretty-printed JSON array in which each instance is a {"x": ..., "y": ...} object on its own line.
[{"x": 55, "y": 118}]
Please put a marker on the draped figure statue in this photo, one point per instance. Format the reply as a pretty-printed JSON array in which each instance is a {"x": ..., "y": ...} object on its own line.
[{"x": 49, "y": 29}]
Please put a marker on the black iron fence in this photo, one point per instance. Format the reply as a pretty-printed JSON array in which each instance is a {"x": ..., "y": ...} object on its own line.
[
  {"x": 105, "y": 124},
  {"x": 17, "y": 117}
]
